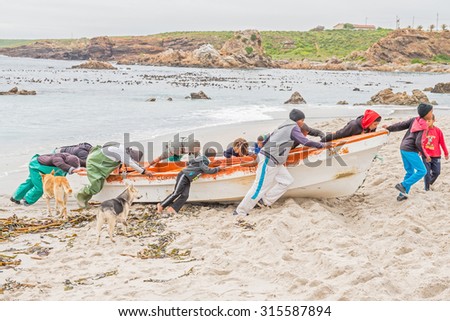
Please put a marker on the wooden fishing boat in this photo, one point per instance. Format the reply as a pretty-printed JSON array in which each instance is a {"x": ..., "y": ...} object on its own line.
[{"x": 319, "y": 173}]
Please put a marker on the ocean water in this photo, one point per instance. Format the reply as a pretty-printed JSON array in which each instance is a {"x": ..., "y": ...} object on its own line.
[{"x": 75, "y": 105}]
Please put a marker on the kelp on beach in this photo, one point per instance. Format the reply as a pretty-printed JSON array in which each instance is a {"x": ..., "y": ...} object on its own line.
[{"x": 14, "y": 226}]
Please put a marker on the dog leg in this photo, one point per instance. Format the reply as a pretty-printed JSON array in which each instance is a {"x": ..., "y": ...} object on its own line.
[
  {"x": 64, "y": 207},
  {"x": 64, "y": 212},
  {"x": 125, "y": 227},
  {"x": 111, "y": 227},
  {"x": 99, "y": 227},
  {"x": 49, "y": 210}
]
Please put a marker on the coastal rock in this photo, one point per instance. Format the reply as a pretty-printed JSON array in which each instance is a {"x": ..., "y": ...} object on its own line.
[
  {"x": 206, "y": 54},
  {"x": 403, "y": 45},
  {"x": 199, "y": 95},
  {"x": 342, "y": 102},
  {"x": 441, "y": 88},
  {"x": 296, "y": 98},
  {"x": 94, "y": 64},
  {"x": 151, "y": 99},
  {"x": 100, "y": 48},
  {"x": 16, "y": 91},
  {"x": 388, "y": 97},
  {"x": 243, "y": 50},
  {"x": 428, "y": 89}
]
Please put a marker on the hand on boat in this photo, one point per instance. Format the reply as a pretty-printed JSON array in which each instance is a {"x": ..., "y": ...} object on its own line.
[
  {"x": 148, "y": 173},
  {"x": 79, "y": 171}
]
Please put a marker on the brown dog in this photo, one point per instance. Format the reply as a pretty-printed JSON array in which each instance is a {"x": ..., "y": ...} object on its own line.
[{"x": 56, "y": 187}]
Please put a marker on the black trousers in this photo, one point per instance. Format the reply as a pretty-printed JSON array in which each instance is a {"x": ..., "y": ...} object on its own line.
[
  {"x": 433, "y": 171},
  {"x": 180, "y": 193}
]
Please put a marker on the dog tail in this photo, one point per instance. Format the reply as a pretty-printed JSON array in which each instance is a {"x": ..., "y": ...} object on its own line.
[{"x": 66, "y": 186}]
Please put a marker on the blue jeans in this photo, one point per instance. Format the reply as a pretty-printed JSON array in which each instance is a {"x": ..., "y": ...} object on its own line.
[
  {"x": 414, "y": 167},
  {"x": 433, "y": 171}
]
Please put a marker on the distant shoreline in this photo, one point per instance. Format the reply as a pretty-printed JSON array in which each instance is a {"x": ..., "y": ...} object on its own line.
[{"x": 404, "y": 50}]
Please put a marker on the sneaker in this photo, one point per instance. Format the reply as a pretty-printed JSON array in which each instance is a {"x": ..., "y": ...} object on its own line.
[
  {"x": 402, "y": 198},
  {"x": 24, "y": 203},
  {"x": 261, "y": 203},
  {"x": 401, "y": 188},
  {"x": 12, "y": 199},
  {"x": 235, "y": 213}
]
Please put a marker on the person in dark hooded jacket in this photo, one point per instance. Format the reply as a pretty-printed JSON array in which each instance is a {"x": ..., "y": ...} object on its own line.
[
  {"x": 194, "y": 169},
  {"x": 80, "y": 150},
  {"x": 412, "y": 147},
  {"x": 366, "y": 123}
]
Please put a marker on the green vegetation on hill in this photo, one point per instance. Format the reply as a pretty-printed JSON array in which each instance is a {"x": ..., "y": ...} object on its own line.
[
  {"x": 318, "y": 45},
  {"x": 14, "y": 42},
  {"x": 215, "y": 38},
  {"x": 290, "y": 45}
]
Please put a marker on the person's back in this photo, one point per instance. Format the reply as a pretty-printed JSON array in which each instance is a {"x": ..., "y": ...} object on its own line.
[
  {"x": 63, "y": 161},
  {"x": 80, "y": 150},
  {"x": 366, "y": 123},
  {"x": 198, "y": 166}
]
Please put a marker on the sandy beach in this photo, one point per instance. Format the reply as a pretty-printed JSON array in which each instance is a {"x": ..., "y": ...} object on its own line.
[{"x": 366, "y": 246}]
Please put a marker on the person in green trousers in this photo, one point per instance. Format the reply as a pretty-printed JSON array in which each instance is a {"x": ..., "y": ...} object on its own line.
[
  {"x": 30, "y": 191},
  {"x": 100, "y": 164}
]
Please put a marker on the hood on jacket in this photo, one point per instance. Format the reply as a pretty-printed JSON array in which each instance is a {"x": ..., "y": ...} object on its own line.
[
  {"x": 418, "y": 125},
  {"x": 369, "y": 117}
]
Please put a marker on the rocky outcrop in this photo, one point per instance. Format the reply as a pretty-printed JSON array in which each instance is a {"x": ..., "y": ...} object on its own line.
[
  {"x": 296, "y": 98},
  {"x": 93, "y": 64},
  {"x": 441, "y": 88},
  {"x": 100, "y": 48},
  {"x": 16, "y": 91},
  {"x": 403, "y": 45},
  {"x": 199, "y": 95},
  {"x": 388, "y": 97},
  {"x": 243, "y": 50}
]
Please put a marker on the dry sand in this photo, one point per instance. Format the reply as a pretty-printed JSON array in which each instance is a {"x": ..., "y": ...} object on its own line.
[{"x": 364, "y": 247}]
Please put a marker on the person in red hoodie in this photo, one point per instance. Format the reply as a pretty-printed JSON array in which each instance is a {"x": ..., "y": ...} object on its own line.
[
  {"x": 434, "y": 141},
  {"x": 366, "y": 123},
  {"x": 412, "y": 147}
]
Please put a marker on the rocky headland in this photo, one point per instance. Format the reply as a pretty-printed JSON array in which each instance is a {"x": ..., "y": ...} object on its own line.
[{"x": 407, "y": 50}]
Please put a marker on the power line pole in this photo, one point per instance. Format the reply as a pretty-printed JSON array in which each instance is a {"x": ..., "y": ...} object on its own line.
[
  {"x": 413, "y": 23},
  {"x": 397, "y": 22},
  {"x": 437, "y": 21}
]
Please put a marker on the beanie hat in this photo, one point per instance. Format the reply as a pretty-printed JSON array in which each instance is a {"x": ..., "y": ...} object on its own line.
[
  {"x": 423, "y": 109},
  {"x": 296, "y": 115}
]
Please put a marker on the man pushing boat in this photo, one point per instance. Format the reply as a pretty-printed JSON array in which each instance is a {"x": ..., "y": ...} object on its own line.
[{"x": 272, "y": 178}]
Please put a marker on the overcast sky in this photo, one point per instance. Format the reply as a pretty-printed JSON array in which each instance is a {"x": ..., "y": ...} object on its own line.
[{"x": 34, "y": 19}]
